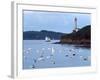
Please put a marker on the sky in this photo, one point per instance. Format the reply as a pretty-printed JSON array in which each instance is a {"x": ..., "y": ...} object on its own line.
[{"x": 54, "y": 21}]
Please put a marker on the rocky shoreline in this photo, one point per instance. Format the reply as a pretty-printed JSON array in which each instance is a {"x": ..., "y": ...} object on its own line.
[
  {"x": 81, "y": 38},
  {"x": 85, "y": 45}
]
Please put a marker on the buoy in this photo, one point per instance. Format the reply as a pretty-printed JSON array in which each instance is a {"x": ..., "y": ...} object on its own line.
[
  {"x": 41, "y": 56},
  {"x": 70, "y": 50},
  {"x": 34, "y": 60},
  {"x": 66, "y": 55},
  {"x": 74, "y": 54},
  {"x": 53, "y": 62},
  {"x": 29, "y": 49},
  {"x": 33, "y": 66},
  {"x": 43, "y": 48},
  {"x": 40, "y": 59},
  {"x": 85, "y": 59},
  {"x": 52, "y": 51},
  {"x": 81, "y": 57},
  {"x": 49, "y": 48},
  {"x": 48, "y": 57}
]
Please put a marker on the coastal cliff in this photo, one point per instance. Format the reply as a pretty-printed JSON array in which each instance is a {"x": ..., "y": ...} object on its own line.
[{"x": 83, "y": 37}]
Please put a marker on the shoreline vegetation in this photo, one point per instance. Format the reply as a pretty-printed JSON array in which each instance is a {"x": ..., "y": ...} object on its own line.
[
  {"x": 80, "y": 38},
  {"x": 40, "y": 35}
]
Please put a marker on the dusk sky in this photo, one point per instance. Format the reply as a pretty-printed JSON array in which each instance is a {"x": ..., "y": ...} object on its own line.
[{"x": 54, "y": 21}]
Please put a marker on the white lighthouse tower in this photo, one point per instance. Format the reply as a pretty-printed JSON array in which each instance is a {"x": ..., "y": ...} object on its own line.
[
  {"x": 75, "y": 25},
  {"x": 75, "y": 20}
]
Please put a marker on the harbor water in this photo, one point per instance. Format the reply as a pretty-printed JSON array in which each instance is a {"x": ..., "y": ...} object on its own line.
[{"x": 39, "y": 54}]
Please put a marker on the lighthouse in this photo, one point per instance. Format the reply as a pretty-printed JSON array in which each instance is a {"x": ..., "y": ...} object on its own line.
[
  {"x": 75, "y": 25},
  {"x": 75, "y": 21}
]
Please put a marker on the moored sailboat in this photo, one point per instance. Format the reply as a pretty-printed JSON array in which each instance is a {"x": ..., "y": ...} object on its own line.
[{"x": 47, "y": 39}]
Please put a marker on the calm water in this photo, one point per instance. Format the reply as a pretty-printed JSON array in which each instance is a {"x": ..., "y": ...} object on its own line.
[{"x": 41, "y": 54}]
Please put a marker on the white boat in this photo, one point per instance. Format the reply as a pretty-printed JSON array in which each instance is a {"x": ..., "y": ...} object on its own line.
[{"x": 47, "y": 39}]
